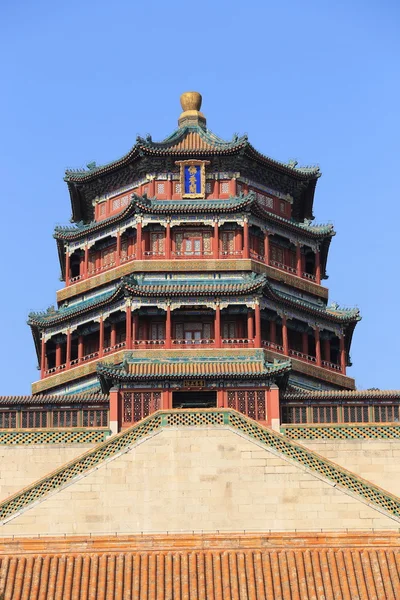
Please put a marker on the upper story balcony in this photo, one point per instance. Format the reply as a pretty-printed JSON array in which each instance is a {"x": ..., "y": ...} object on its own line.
[
  {"x": 228, "y": 241},
  {"x": 230, "y": 328}
]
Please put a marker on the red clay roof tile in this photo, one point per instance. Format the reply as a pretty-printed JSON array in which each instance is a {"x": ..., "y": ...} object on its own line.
[{"x": 236, "y": 567}]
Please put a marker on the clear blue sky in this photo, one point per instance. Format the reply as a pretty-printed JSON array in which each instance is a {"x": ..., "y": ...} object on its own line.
[{"x": 313, "y": 80}]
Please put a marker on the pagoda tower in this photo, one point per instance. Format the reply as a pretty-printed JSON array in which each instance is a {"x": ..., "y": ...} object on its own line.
[{"x": 193, "y": 278}]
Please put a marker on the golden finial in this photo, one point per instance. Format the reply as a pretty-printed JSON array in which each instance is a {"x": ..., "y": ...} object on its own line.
[{"x": 191, "y": 116}]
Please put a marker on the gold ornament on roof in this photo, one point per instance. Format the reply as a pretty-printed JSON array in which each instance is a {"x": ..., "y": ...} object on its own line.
[{"x": 191, "y": 116}]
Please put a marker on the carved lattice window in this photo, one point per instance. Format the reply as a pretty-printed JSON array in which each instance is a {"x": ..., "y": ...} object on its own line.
[
  {"x": 34, "y": 418},
  {"x": 355, "y": 414},
  {"x": 178, "y": 242},
  {"x": 8, "y": 419},
  {"x": 137, "y": 405},
  {"x": 248, "y": 402},
  {"x": 325, "y": 414},
  {"x": 225, "y": 187},
  {"x": 294, "y": 414},
  {"x": 387, "y": 414},
  {"x": 228, "y": 242},
  {"x": 95, "y": 418},
  {"x": 207, "y": 237},
  {"x": 160, "y": 188},
  {"x": 65, "y": 418},
  {"x": 157, "y": 243}
]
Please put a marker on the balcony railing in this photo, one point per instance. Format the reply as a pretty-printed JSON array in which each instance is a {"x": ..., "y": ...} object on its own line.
[
  {"x": 191, "y": 343},
  {"x": 234, "y": 254},
  {"x": 193, "y": 254},
  {"x": 237, "y": 342},
  {"x": 302, "y": 356},
  {"x": 272, "y": 345},
  {"x": 114, "y": 348},
  {"x": 309, "y": 276},
  {"x": 329, "y": 365},
  {"x": 256, "y": 256},
  {"x": 127, "y": 257},
  {"x": 145, "y": 344},
  {"x": 148, "y": 255},
  {"x": 283, "y": 267}
]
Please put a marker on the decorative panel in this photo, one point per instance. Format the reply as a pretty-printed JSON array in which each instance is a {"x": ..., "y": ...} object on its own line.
[
  {"x": 248, "y": 402},
  {"x": 137, "y": 405}
]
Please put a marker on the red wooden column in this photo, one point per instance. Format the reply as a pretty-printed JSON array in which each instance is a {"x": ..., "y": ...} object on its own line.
[
  {"x": 128, "y": 327},
  {"x": 318, "y": 347},
  {"x": 245, "y": 240},
  {"x": 272, "y": 402},
  {"x": 43, "y": 357},
  {"x": 114, "y": 416},
  {"x": 152, "y": 188},
  {"x": 272, "y": 332},
  {"x": 266, "y": 248},
  {"x": 304, "y": 342},
  {"x": 257, "y": 338},
  {"x": 220, "y": 398},
  {"x": 101, "y": 337},
  {"x": 113, "y": 337},
  {"x": 86, "y": 263},
  {"x": 232, "y": 187},
  {"x": 139, "y": 254},
  {"x": 168, "y": 240},
  {"x": 318, "y": 267},
  {"x": 216, "y": 241},
  {"x": 167, "y": 399},
  {"x": 285, "y": 339},
  {"x": 80, "y": 348},
  {"x": 58, "y": 354},
  {"x": 135, "y": 328},
  {"x": 216, "y": 189},
  {"x": 327, "y": 350},
  {"x": 168, "y": 328},
  {"x": 118, "y": 250},
  {"x": 168, "y": 188},
  {"x": 68, "y": 353},
  {"x": 217, "y": 326},
  {"x": 342, "y": 355},
  {"x": 250, "y": 324},
  {"x": 298, "y": 260},
  {"x": 67, "y": 269}
]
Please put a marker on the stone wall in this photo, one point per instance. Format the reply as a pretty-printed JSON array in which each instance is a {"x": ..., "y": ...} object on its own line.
[
  {"x": 200, "y": 479},
  {"x": 21, "y": 465},
  {"x": 375, "y": 460}
]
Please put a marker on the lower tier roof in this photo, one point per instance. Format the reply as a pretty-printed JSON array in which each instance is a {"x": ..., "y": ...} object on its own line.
[{"x": 234, "y": 566}]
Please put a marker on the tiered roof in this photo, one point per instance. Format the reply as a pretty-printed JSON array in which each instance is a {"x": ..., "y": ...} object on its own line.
[
  {"x": 186, "y": 142},
  {"x": 235, "y": 566},
  {"x": 242, "y": 286},
  {"x": 249, "y": 366}
]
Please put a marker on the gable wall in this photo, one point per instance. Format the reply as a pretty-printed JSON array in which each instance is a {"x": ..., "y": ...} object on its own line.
[{"x": 203, "y": 479}]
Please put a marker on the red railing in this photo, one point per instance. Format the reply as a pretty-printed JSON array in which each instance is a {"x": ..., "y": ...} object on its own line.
[
  {"x": 235, "y": 254},
  {"x": 194, "y": 254},
  {"x": 191, "y": 343},
  {"x": 302, "y": 356},
  {"x": 272, "y": 345},
  {"x": 238, "y": 342},
  {"x": 279, "y": 265},
  {"x": 145, "y": 344},
  {"x": 256, "y": 256},
  {"x": 148, "y": 254},
  {"x": 114, "y": 348},
  {"x": 309, "y": 276},
  {"x": 127, "y": 257},
  {"x": 333, "y": 366}
]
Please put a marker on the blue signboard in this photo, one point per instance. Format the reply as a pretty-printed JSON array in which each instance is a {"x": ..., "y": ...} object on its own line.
[{"x": 192, "y": 179}]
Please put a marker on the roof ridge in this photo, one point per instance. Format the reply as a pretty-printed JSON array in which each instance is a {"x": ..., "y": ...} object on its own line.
[{"x": 345, "y": 480}]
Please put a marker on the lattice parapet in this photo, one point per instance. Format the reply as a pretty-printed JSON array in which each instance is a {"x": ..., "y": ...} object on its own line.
[
  {"x": 345, "y": 480},
  {"x": 52, "y": 436},
  {"x": 342, "y": 432}
]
